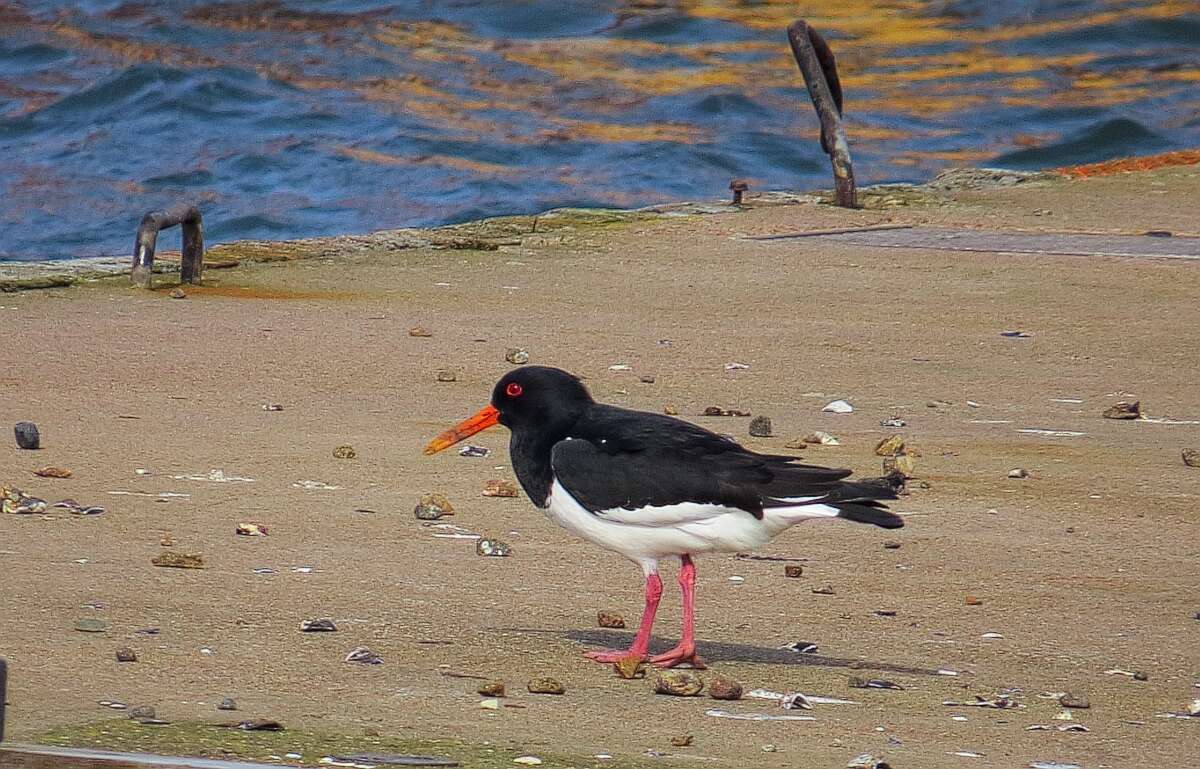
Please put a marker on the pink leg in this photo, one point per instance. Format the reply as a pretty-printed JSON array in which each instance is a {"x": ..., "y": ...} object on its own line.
[
  {"x": 685, "y": 652},
  {"x": 641, "y": 642}
]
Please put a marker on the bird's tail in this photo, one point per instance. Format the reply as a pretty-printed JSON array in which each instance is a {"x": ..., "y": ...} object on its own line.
[
  {"x": 865, "y": 505},
  {"x": 869, "y": 512},
  {"x": 858, "y": 501}
]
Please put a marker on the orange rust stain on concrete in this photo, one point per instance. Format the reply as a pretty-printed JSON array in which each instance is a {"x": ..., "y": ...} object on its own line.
[
  {"x": 1123, "y": 165},
  {"x": 248, "y": 292}
]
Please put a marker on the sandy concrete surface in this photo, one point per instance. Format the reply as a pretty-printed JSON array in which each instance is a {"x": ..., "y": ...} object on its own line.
[{"x": 1088, "y": 565}]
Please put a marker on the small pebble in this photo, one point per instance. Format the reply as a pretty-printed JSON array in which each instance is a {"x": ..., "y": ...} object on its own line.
[
  {"x": 91, "y": 625},
  {"x": 259, "y": 725},
  {"x": 419, "y": 331},
  {"x": 125, "y": 654},
  {"x": 793, "y": 570},
  {"x": 891, "y": 544},
  {"x": 432, "y": 506},
  {"x": 321, "y": 625},
  {"x": 724, "y": 688},
  {"x": 173, "y": 560},
  {"x": 27, "y": 436},
  {"x": 903, "y": 464},
  {"x": 363, "y": 655},
  {"x": 51, "y": 471},
  {"x": 681, "y": 741},
  {"x": 1018, "y": 472},
  {"x": 1124, "y": 410},
  {"x": 141, "y": 711},
  {"x": 1191, "y": 457},
  {"x": 973, "y": 601},
  {"x": 825, "y": 590},
  {"x": 717, "y": 411},
  {"x": 489, "y": 703},
  {"x": 516, "y": 356},
  {"x": 890, "y": 446},
  {"x": 345, "y": 451},
  {"x": 499, "y": 488},
  {"x": 251, "y": 530},
  {"x": 493, "y": 548},
  {"x": 610, "y": 619},
  {"x": 801, "y": 647},
  {"x": 671, "y": 410},
  {"x": 545, "y": 686},
  {"x": 678, "y": 683},
  {"x": 177, "y": 293},
  {"x": 630, "y": 666},
  {"x": 1069, "y": 700},
  {"x": 760, "y": 427},
  {"x": 528, "y": 760},
  {"x": 646, "y": 379},
  {"x": 491, "y": 689},
  {"x": 227, "y": 704},
  {"x": 822, "y": 438},
  {"x": 873, "y": 683},
  {"x": 447, "y": 376}
]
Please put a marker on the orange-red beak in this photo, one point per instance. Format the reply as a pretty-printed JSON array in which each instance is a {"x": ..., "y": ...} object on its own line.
[{"x": 486, "y": 417}]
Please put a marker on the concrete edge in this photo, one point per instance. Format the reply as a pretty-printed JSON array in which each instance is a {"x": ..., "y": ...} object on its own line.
[{"x": 483, "y": 234}]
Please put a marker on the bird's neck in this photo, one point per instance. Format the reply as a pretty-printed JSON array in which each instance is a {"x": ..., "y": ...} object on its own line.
[{"x": 530, "y": 454}]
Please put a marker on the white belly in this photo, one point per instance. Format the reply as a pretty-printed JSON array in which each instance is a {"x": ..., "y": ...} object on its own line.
[{"x": 691, "y": 528}]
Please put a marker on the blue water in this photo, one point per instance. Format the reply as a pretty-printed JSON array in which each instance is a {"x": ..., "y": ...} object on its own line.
[{"x": 293, "y": 119}]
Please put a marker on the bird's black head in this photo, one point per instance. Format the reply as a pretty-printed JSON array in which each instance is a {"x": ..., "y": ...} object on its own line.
[
  {"x": 532, "y": 401},
  {"x": 540, "y": 398}
]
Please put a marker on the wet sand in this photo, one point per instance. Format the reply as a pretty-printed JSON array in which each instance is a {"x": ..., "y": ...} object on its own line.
[{"x": 1088, "y": 565}]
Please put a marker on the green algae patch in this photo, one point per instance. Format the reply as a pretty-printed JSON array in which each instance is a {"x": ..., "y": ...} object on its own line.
[
  {"x": 221, "y": 741},
  {"x": 10, "y": 285}
]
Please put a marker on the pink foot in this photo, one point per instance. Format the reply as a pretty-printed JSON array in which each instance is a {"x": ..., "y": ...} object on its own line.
[{"x": 683, "y": 654}]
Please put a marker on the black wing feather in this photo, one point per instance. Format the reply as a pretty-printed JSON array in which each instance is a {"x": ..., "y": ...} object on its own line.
[{"x": 625, "y": 459}]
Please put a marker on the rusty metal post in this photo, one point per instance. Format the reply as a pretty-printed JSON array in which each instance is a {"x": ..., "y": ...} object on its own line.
[
  {"x": 3, "y": 694},
  {"x": 192, "y": 262},
  {"x": 819, "y": 68}
]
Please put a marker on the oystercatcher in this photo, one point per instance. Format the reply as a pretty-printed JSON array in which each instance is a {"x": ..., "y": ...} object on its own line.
[{"x": 649, "y": 486}]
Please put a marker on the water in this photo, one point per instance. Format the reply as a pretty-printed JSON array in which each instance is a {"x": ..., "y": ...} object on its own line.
[{"x": 291, "y": 118}]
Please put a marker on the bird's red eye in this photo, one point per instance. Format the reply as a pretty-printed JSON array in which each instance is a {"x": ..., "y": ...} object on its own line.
[{"x": 514, "y": 389}]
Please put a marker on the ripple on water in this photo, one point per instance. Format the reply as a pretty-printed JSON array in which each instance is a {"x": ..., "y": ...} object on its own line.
[
  {"x": 295, "y": 118},
  {"x": 1099, "y": 141}
]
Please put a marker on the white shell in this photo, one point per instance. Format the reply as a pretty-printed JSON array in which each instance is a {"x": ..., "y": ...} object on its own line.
[{"x": 838, "y": 407}]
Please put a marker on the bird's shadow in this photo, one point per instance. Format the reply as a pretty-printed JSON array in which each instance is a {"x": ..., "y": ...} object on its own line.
[{"x": 720, "y": 651}]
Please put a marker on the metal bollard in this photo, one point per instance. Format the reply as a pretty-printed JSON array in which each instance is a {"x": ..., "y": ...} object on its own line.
[
  {"x": 819, "y": 68},
  {"x": 190, "y": 266}
]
